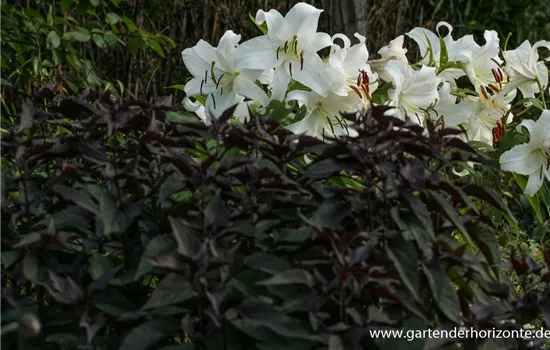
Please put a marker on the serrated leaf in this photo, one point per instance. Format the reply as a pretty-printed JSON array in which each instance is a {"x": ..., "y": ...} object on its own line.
[
  {"x": 147, "y": 334},
  {"x": 405, "y": 259},
  {"x": 216, "y": 213},
  {"x": 173, "y": 289},
  {"x": 188, "y": 242},
  {"x": 158, "y": 246},
  {"x": 78, "y": 197},
  {"x": 442, "y": 290},
  {"x": 293, "y": 276}
]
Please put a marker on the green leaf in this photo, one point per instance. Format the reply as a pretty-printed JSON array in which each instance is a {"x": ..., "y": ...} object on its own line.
[
  {"x": 81, "y": 35},
  {"x": 4, "y": 82},
  {"x": 173, "y": 289},
  {"x": 99, "y": 265},
  {"x": 99, "y": 40},
  {"x": 405, "y": 258},
  {"x": 262, "y": 27},
  {"x": 94, "y": 3},
  {"x": 154, "y": 44},
  {"x": 533, "y": 200},
  {"x": 443, "y": 55},
  {"x": 180, "y": 87},
  {"x": 66, "y": 5},
  {"x": 112, "y": 18},
  {"x": 442, "y": 290},
  {"x": 130, "y": 24},
  {"x": 53, "y": 40}
]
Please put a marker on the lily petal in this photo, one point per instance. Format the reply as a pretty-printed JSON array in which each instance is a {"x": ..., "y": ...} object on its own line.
[
  {"x": 257, "y": 53},
  {"x": 522, "y": 160}
]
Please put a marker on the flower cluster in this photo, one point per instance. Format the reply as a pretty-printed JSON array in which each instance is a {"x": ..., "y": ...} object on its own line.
[{"x": 284, "y": 64}]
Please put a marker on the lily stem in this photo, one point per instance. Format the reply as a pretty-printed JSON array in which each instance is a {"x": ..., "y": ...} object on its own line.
[{"x": 543, "y": 99}]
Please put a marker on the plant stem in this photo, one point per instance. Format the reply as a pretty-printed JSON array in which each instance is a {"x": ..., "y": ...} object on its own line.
[{"x": 541, "y": 93}]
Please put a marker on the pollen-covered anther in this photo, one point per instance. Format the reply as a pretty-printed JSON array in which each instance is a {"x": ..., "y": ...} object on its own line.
[
  {"x": 219, "y": 80},
  {"x": 290, "y": 68},
  {"x": 202, "y": 83},
  {"x": 495, "y": 75},
  {"x": 277, "y": 54},
  {"x": 331, "y": 126},
  {"x": 494, "y": 88},
  {"x": 356, "y": 91},
  {"x": 286, "y": 46},
  {"x": 365, "y": 77},
  {"x": 484, "y": 92},
  {"x": 302, "y": 59},
  {"x": 501, "y": 75},
  {"x": 295, "y": 46},
  {"x": 213, "y": 100}
]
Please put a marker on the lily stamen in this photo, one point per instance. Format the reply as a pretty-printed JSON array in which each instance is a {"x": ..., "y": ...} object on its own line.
[
  {"x": 290, "y": 68},
  {"x": 295, "y": 46},
  {"x": 500, "y": 74},
  {"x": 213, "y": 100},
  {"x": 212, "y": 75},
  {"x": 495, "y": 75},
  {"x": 277, "y": 54},
  {"x": 286, "y": 46},
  {"x": 356, "y": 91},
  {"x": 202, "y": 83},
  {"x": 495, "y": 89},
  {"x": 302, "y": 59},
  {"x": 331, "y": 126},
  {"x": 219, "y": 80},
  {"x": 484, "y": 92}
]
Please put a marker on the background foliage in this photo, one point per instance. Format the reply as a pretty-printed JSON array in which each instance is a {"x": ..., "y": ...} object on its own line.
[{"x": 134, "y": 46}]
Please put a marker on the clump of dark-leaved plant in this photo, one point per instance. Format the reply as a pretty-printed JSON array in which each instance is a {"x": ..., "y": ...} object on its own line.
[{"x": 126, "y": 228}]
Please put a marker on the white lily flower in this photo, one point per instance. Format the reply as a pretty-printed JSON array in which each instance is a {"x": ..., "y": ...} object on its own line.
[
  {"x": 195, "y": 107},
  {"x": 454, "y": 112},
  {"x": 241, "y": 111},
  {"x": 214, "y": 74},
  {"x": 524, "y": 68},
  {"x": 290, "y": 46},
  {"x": 532, "y": 158},
  {"x": 351, "y": 68},
  {"x": 323, "y": 116},
  {"x": 413, "y": 90},
  {"x": 393, "y": 51},
  {"x": 426, "y": 39},
  {"x": 490, "y": 111},
  {"x": 481, "y": 63}
]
